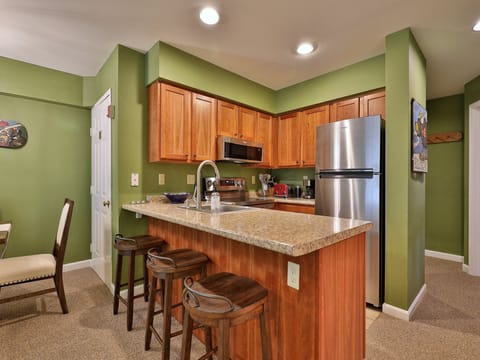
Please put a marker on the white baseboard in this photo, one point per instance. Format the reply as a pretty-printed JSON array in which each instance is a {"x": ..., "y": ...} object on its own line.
[
  {"x": 465, "y": 268},
  {"x": 444, "y": 256},
  {"x": 405, "y": 314},
  {"x": 77, "y": 265}
]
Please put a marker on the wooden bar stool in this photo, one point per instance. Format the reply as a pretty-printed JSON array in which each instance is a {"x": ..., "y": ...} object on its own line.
[
  {"x": 166, "y": 267},
  {"x": 223, "y": 300},
  {"x": 132, "y": 246}
]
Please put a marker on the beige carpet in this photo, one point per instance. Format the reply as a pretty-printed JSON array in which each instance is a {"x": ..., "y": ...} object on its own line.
[
  {"x": 446, "y": 325},
  {"x": 35, "y": 328}
]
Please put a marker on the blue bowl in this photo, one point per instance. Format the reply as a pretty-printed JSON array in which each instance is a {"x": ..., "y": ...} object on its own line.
[{"x": 177, "y": 198}]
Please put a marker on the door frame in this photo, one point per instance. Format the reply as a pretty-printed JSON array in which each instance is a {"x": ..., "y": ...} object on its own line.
[{"x": 474, "y": 189}]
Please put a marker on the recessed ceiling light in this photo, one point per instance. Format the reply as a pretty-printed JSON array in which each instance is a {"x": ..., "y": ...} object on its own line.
[
  {"x": 305, "y": 48},
  {"x": 209, "y": 16},
  {"x": 476, "y": 27}
]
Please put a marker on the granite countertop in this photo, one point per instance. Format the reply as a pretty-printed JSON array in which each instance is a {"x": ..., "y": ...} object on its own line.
[
  {"x": 293, "y": 200},
  {"x": 288, "y": 233}
]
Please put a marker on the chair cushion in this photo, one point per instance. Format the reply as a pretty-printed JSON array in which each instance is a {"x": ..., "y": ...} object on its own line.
[{"x": 24, "y": 268}]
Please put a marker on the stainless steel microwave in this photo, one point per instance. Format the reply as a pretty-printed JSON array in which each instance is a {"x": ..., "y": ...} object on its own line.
[{"x": 238, "y": 150}]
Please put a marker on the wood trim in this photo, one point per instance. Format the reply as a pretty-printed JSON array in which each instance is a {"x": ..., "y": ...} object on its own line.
[{"x": 451, "y": 136}]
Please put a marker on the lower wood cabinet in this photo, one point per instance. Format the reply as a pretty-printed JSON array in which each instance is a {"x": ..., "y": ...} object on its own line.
[{"x": 300, "y": 208}]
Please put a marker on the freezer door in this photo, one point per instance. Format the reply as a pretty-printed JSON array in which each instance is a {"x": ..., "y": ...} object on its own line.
[
  {"x": 356, "y": 199},
  {"x": 350, "y": 144}
]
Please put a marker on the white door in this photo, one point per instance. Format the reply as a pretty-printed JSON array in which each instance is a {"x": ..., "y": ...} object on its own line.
[
  {"x": 100, "y": 132},
  {"x": 474, "y": 190}
]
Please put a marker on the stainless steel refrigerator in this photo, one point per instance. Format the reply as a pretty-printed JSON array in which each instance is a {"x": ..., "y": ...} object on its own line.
[{"x": 350, "y": 184}]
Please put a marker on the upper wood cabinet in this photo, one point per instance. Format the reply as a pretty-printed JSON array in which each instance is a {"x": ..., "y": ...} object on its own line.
[
  {"x": 236, "y": 121},
  {"x": 289, "y": 136},
  {"x": 373, "y": 104},
  {"x": 203, "y": 134},
  {"x": 247, "y": 122},
  {"x": 345, "y": 109},
  {"x": 175, "y": 125},
  {"x": 311, "y": 118},
  {"x": 227, "y": 119},
  {"x": 264, "y": 135},
  {"x": 181, "y": 124}
]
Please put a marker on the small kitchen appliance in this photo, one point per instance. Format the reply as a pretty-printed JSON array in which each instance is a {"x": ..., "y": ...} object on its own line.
[
  {"x": 280, "y": 190},
  {"x": 309, "y": 185}
]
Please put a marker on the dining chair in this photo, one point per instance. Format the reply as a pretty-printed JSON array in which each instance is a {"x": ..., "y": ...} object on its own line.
[
  {"x": 24, "y": 269},
  {"x": 5, "y": 230}
]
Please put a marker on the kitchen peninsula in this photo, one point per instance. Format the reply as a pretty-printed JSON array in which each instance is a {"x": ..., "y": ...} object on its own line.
[{"x": 325, "y": 317}]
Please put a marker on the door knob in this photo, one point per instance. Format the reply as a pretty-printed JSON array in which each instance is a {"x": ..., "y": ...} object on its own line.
[{"x": 106, "y": 203}]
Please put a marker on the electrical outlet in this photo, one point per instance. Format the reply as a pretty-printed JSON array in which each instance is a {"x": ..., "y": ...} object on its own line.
[
  {"x": 134, "y": 179},
  {"x": 190, "y": 179},
  {"x": 293, "y": 275},
  {"x": 161, "y": 179},
  {"x": 253, "y": 179}
]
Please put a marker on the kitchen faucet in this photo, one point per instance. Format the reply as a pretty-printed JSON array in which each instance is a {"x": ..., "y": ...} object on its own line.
[{"x": 198, "y": 191}]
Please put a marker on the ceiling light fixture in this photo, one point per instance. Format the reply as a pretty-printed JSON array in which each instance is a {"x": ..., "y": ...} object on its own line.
[
  {"x": 209, "y": 16},
  {"x": 305, "y": 48},
  {"x": 476, "y": 27}
]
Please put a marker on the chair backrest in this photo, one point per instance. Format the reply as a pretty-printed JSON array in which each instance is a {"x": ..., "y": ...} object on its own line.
[
  {"x": 62, "y": 233},
  {"x": 5, "y": 230}
]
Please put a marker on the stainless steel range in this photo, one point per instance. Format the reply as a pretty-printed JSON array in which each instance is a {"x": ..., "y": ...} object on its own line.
[{"x": 233, "y": 190}]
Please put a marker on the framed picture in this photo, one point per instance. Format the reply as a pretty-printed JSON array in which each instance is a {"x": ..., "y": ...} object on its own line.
[{"x": 419, "y": 138}]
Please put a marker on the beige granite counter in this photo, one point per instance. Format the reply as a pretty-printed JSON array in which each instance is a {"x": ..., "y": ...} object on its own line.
[
  {"x": 283, "y": 232},
  {"x": 299, "y": 201}
]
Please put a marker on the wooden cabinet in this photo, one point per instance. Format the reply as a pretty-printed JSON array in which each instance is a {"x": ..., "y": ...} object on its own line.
[
  {"x": 236, "y": 121},
  {"x": 345, "y": 109},
  {"x": 227, "y": 119},
  {"x": 175, "y": 125},
  {"x": 203, "y": 133},
  {"x": 311, "y": 118},
  {"x": 300, "y": 208},
  {"x": 289, "y": 140},
  {"x": 181, "y": 124},
  {"x": 373, "y": 104},
  {"x": 263, "y": 135}
]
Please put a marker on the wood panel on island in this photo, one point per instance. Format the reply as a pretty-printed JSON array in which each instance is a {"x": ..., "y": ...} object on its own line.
[{"x": 299, "y": 208}]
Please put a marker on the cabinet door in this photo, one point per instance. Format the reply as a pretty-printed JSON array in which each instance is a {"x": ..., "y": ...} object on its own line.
[
  {"x": 373, "y": 104},
  {"x": 263, "y": 135},
  {"x": 305, "y": 209},
  {"x": 154, "y": 122},
  {"x": 227, "y": 119},
  {"x": 311, "y": 118},
  {"x": 289, "y": 136},
  {"x": 247, "y": 121},
  {"x": 346, "y": 109},
  {"x": 175, "y": 126},
  {"x": 204, "y": 109}
]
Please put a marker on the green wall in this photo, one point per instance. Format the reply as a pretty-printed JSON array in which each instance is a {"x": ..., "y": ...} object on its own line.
[
  {"x": 405, "y": 191},
  {"x": 36, "y": 82},
  {"x": 472, "y": 95},
  {"x": 35, "y": 179},
  {"x": 444, "y": 196},
  {"x": 354, "y": 79},
  {"x": 169, "y": 63}
]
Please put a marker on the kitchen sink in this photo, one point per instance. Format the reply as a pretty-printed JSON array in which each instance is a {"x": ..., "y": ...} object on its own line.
[{"x": 223, "y": 208}]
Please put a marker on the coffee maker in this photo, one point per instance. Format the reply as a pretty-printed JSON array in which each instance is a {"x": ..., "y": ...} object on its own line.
[{"x": 309, "y": 185}]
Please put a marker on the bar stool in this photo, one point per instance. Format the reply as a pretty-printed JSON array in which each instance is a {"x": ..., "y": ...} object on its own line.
[
  {"x": 132, "y": 246},
  {"x": 166, "y": 267},
  {"x": 223, "y": 300}
]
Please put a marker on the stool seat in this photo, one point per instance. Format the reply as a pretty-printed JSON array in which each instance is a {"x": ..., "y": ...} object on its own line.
[
  {"x": 222, "y": 301},
  {"x": 166, "y": 267},
  {"x": 132, "y": 246}
]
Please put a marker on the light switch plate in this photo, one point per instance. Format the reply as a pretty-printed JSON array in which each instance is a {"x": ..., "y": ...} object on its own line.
[
  {"x": 161, "y": 179},
  {"x": 134, "y": 179},
  {"x": 293, "y": 275},
  {"x": 253, "y": 179},
  {"x": 190, "y": 179}
]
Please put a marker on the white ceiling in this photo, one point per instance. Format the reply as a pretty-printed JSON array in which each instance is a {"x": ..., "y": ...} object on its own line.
[{"x": 254, "y": 38}]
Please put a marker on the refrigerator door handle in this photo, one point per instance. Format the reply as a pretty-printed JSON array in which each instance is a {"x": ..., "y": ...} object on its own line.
[{"x": 347, "y": 174}]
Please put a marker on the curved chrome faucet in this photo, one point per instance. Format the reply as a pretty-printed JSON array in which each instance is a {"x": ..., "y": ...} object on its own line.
[{"x": 198, "y": 194}]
